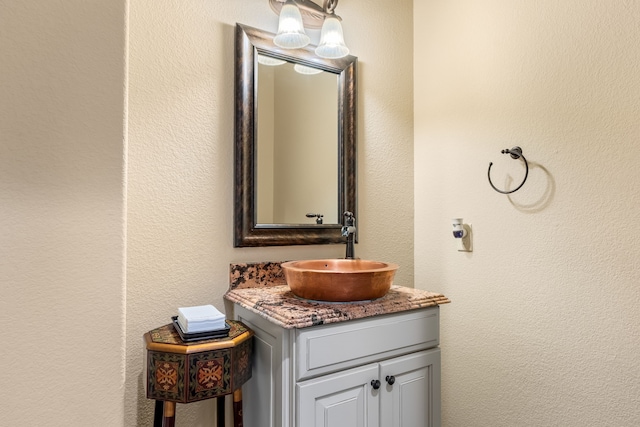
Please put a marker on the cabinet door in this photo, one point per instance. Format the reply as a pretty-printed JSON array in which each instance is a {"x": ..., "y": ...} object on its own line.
[
  {"x": 344, "y": 399},
  {"x": 413, "y": 398}
]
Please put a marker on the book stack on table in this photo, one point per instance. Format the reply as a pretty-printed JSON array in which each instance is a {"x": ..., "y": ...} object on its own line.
[{"x": 200, "y": 323}]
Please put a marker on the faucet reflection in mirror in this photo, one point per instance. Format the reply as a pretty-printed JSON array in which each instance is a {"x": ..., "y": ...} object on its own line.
[{"x": 296, "y": 14}]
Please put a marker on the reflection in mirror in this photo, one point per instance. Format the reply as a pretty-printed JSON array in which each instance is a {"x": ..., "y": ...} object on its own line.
[{"x": 295, "y": 148}]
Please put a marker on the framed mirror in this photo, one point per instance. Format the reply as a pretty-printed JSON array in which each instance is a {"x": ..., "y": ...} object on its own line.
[{"x": 295, "y": 143}]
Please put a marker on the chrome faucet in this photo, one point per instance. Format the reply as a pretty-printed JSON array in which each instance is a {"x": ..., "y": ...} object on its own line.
[{"x": 348, "y": 231}]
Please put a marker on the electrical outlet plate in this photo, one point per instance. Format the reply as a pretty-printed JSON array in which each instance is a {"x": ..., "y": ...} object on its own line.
[{"x": 466, "y": 243}]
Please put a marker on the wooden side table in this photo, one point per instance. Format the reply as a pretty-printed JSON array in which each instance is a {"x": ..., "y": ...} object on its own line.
[{"x": 181, "y": 372}]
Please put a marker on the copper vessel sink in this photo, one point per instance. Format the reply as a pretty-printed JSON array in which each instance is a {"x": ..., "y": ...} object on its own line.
[{"x": 339, "y": 280}]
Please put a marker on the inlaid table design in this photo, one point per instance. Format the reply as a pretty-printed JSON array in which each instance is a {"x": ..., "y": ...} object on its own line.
[{"x": 184, "y": 372}]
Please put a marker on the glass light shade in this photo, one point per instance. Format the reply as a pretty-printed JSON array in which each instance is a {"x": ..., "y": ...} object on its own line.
[
  {"x": 332, "y": 40},
  {"x": 291, "y": 33},
  {"x": 267, "y": 60},
  {"x": 303, "y": 69}
]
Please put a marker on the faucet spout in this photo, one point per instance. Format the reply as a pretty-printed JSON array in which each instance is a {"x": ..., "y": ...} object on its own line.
[{"x": 348, "y": 231}]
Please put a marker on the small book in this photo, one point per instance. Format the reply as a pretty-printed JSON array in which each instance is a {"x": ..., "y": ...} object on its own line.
[
  {"x": 200, "y": 336},
  {"x": 201, "y": 318}
]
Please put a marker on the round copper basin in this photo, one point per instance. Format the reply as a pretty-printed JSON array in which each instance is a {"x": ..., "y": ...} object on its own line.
[{"x": 339, "y": 280}]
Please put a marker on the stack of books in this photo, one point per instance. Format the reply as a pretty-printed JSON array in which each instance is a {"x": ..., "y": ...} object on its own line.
[{"x": 200, "y": 322}]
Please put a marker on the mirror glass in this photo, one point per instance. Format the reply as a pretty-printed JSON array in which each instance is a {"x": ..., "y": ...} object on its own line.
[{"x": 295, "y": 143}]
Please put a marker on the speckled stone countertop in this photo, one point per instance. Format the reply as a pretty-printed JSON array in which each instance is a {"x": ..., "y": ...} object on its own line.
[{"x": 260, "y": 288}]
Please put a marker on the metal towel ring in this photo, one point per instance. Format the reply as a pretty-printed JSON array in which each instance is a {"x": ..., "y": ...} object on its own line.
[{"x": 515, "y": 153}]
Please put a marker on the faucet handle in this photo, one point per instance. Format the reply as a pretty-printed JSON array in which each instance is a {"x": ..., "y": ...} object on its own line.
[{"x": 349, "y": 219}]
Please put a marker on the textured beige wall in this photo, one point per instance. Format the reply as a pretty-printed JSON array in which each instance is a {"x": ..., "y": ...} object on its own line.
[
  {"x": 543, "y": 328},
  {"x": 264, "y": 153},
  {"x": 62, "y": 212},
  {"x": 180, "y": 192},
  {"x": 306, "y": 153}
]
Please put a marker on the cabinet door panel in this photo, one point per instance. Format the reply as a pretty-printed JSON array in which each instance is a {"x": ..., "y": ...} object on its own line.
[
  {"x": 344, "y": 399},
  {"x": 413, "y": 400}
]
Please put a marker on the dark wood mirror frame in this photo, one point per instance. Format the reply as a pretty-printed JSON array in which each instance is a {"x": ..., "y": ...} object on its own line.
[{"x": 248, "y": 43}]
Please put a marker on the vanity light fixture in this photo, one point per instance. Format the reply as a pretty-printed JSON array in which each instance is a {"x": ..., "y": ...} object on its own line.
[{"x": 295, "y": 15}]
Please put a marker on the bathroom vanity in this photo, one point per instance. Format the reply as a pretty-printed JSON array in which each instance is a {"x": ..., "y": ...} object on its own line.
[
  {"x": 319, "y": 364},
  {"x": 374, "y": 364}
]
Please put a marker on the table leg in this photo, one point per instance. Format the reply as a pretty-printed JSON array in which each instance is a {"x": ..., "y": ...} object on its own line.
[
  {"x": 157, "y": 414},
  {"x": 169, "y": 419},
  {"x": 237, "y": 408},
  {"x": 220, "y": 412}
]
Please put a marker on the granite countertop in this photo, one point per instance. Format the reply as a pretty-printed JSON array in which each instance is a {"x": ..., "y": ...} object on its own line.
[
  {"x": 280, "y": 306},
  {"x": 261, "y": 288}
]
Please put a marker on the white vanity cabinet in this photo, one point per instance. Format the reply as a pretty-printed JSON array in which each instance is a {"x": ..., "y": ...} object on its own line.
[{"x": 380, "y": 371}]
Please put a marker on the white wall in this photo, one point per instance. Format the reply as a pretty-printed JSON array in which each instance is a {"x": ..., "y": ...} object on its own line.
[
  {"x": 62, "y": 250},
  {"x": 543, "y": 325},
  {"x": 180, "y": 192}
]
